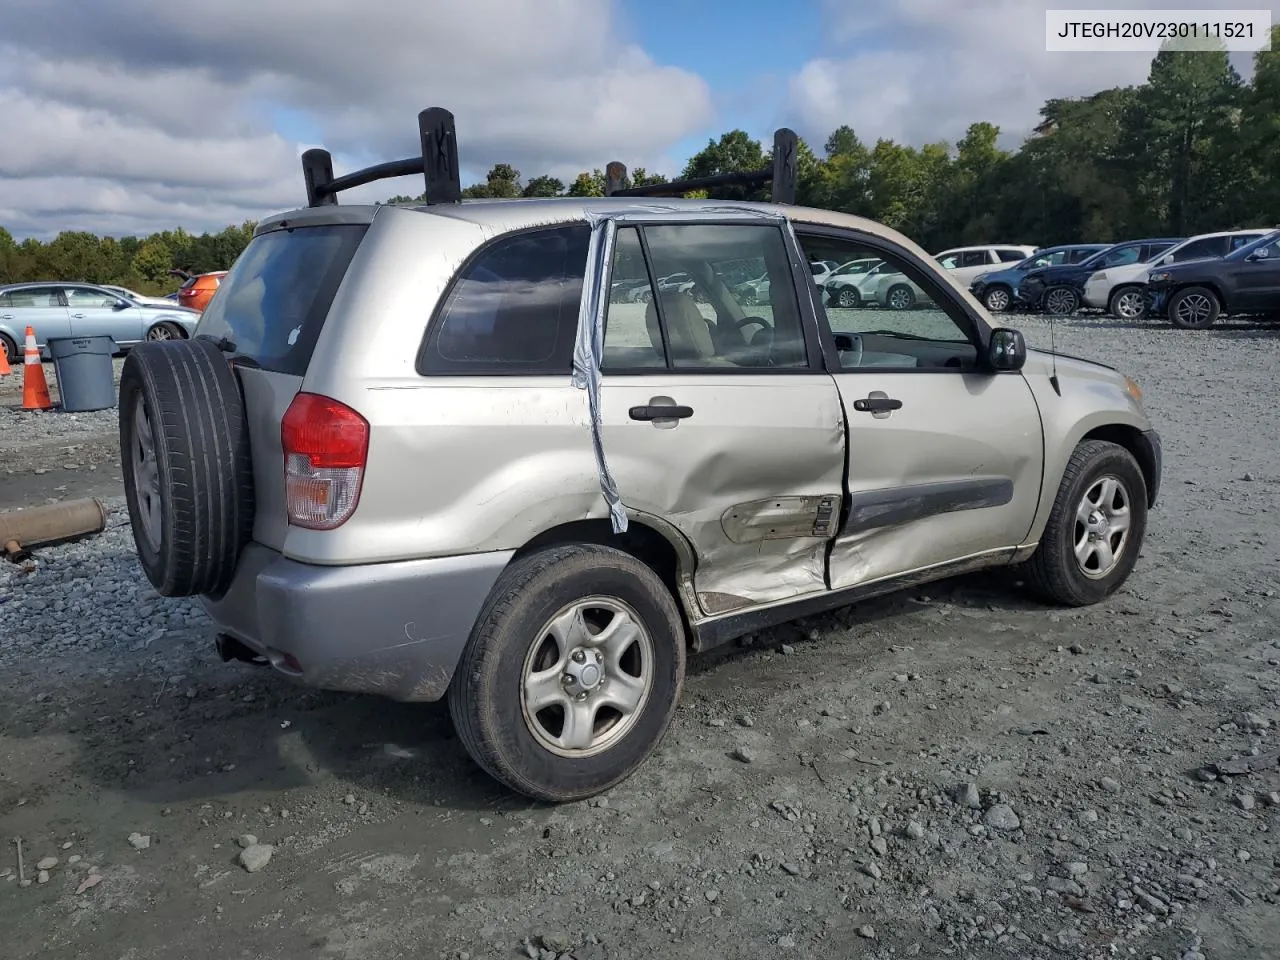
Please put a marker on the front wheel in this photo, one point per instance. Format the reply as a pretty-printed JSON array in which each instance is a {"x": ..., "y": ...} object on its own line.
[
  {"x": 1194, "y": 308},
  {"x": 1061, "y": 301},
  {"x": 847, "y": 297},
  {"x": 572, "y": 673},
  {"x": 1095, "y": 530},
  {"x": 1128, "y": 303},
  {"x": 900, "y": 297},
  {"x": 997, "y": 299}
]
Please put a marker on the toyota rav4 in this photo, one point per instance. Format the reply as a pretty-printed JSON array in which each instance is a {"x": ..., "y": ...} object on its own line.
[{"x": 419, "y": 451}]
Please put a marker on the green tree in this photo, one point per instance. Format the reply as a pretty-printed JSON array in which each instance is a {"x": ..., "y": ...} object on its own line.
[
  {"x": 543, "y": 187},
  {"x": 153, "y": 261}
]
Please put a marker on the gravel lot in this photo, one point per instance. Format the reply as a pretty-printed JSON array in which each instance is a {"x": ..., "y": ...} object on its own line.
[{"x": 953, "y": 771}]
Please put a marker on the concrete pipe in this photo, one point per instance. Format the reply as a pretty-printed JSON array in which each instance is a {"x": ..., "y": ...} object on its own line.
[{"x": 20, "y": 530}]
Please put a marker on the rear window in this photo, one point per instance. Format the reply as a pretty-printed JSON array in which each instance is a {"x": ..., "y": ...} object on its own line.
[{"x": 272, "y": 304}]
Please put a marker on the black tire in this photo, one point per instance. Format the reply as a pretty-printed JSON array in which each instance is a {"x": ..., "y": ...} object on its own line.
[
  {"x": 1128, "y": 294},
  {"x": 1053, "y": 569},
  {"x": 900, "y": 297},
  {"x": 485, "y": 698},
  {"x": 10, "y": 349},
  {"x": 1194, "y": 320},
  {"x": 164, "y": 330},
  {"x": 998, "y": 298},
  {"x": 191, "y": 401},
  {"x": 847, "y": 297},
  {"x": 1060, "y": 301}
]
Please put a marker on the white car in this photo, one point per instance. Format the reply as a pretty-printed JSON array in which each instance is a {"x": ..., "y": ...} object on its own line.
[
  {"x": 967, "y": 263},
  {"x": 138, "y": 298},
  {"x": 1121, "y": 290},
  {"x": 841, "y": 286}
]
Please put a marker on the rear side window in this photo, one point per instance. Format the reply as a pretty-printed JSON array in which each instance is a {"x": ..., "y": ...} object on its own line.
[
  {"x": 273, "y": 303},
  {"x": 513, "y": 309}
]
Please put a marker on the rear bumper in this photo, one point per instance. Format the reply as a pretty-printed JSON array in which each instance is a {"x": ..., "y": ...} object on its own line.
[{"x": 393, "y": 629}]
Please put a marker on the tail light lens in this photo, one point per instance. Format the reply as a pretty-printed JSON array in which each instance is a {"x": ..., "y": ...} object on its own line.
[{"x": 326, "y": 445}]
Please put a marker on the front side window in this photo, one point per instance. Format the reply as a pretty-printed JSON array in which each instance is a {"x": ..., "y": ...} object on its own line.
[
  {"x": 1118, "y": 258},
  {"x": 715, "y": 297},
  {"x": 1198, "y": 249},
  {"x": 88, "y": 298},
  {"x": 904, "y": 320},
  {"x": 514, "y": 308}
]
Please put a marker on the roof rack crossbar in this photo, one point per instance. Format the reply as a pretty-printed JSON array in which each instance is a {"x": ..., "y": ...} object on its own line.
[
  {"x": 438, "y": 164},
  {"x": 782, "y": 175}
]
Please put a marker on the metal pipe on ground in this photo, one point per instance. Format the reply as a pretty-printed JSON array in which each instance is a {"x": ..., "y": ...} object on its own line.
[{"x": 20, "y": 530}]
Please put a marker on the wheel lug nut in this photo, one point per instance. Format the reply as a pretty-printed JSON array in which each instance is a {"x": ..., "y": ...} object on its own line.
[
  {"x": 566, "y": 679},
  {"x": 579, "y": 656},
  {"x": 598, "y": 657},
  {"x": 582, "y": 695}
]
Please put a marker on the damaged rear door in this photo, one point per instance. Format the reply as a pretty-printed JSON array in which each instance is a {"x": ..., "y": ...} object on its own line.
[{"x": 718, "y": 417}]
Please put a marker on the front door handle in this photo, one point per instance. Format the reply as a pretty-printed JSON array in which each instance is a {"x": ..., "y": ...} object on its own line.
[
  {"x": 876, "y": 404},
  {"x": 77, "y": 316},
  {"x": 660, "y": 411},
  {"x": 6, "y": 316}
]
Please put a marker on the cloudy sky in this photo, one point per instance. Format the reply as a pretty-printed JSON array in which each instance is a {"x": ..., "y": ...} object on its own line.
[{"x": 136, "y": 115}]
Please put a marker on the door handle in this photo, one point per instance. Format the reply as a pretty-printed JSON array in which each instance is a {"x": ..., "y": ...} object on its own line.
[
  {"x": 77, "y": 316},
  {"x": 876, "y": 404},
  {"x": 6, "y": 316},
  {"x": 660, "y": 411}
]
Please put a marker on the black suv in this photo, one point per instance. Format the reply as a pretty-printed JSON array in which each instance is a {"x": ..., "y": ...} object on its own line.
[
  {"x": 1057, "y": 289},
  {"x": 1194, "y": 294}
]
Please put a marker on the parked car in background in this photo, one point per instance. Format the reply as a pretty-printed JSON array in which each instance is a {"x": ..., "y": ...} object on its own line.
[
  {"x": 139, "y": 297},
  {"x": 55, "y": 310},
  {"x": 822, "y": 269},
  {"x": 840, "y": 288},
  {"x": 1119, "y": 290},
  {"x": 1058, "y": 289},
  {"x": 997, "y": 289},
  {"x": 196, "y": 291},
  {"x": 1194, "y": 293},
  {"x": 965, "y": 263}
]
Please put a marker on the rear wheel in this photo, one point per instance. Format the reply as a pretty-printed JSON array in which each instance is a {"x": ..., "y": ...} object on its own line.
[
  {"x": 572, "y": 672},
  {"x": 10, "y": 349},
  {"x": 1095, "y": 530},
  {"x": 900, "y": 297},
  {"x": 847, "y": 297},
  {"x": 1194, "y": 308},
  {"x": 164, "y": 330},
  {"x": 188, "y": 479}
]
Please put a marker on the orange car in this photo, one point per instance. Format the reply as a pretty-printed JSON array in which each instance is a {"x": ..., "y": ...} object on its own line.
[{"x": 198, "y": 290}]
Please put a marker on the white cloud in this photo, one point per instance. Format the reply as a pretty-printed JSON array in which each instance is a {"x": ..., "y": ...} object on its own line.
[
  {"x": 139, "y": 115},
  {"x": 922, "y": 70}
]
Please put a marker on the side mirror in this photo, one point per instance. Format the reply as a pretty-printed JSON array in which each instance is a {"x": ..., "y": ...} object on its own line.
[
  {"x": 1007, "y": 349},
  {"x": 1262, "y": 253},
  {"x": 1166, "y": 259},
  {"x": 122, "y": 304}
]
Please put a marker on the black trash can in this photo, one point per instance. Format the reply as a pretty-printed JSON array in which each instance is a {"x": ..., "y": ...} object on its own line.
[{"x": 86, "y": 379}]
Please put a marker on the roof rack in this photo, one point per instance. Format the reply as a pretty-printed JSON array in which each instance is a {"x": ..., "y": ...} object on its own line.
[
  {"x": 782, "y": 175},
  {"x": 439, "y": 165}
]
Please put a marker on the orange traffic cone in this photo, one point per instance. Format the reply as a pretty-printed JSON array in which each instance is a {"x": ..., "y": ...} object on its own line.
[
  {"x": 5, "y": 369},
  {"x": 35, "y": 389}
]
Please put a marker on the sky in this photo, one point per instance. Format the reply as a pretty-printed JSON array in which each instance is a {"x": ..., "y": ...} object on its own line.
[{"x": 136, "y": 115}]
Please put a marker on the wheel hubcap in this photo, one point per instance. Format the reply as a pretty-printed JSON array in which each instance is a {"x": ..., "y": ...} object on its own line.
[
  {"x": 997, "y": 300},
  {"x": 146, "y": 476},
  {"x": 846, "y": 298},
  {"x": 161, "y": 333},
  {"x": 1060, "y": 301},
  {"x": 1129, "y": 305},
  {"x": 1102, "y": 527},
  {"x": 1193, "y": 309},
  {"x": 587, "y": 677},
  {"x": 899, "y": 299}
]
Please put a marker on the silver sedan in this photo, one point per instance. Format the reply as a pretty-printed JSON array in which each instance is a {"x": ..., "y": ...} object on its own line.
[{"x": 54, "y": 310}]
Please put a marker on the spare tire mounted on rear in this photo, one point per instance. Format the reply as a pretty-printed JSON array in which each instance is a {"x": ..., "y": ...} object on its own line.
[{"x": 188, "y": 475}]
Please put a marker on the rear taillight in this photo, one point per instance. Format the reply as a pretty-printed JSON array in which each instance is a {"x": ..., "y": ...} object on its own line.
[{"x": 325, "y": 446}]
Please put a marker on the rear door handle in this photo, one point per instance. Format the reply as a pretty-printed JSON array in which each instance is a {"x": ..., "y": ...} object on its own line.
[
  {"x": 660, "y": 411},
  {"x": 876, "y": 404},
  {"x": 6, "y": 316},
  {"x": 77, "y": 316}
]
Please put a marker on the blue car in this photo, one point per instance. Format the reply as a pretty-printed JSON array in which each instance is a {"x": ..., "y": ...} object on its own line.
[
  {"x": 997, "y": 289},
  {"x": 1058, "y": 289}
]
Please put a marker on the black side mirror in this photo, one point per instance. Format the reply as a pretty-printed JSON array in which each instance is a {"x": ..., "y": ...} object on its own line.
[
  {"x": 123, "y": 304},
  {"x": 1007, "y": 349}
]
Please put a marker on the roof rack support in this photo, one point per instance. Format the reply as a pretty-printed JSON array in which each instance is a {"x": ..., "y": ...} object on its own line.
[
  {"x": 782, "y": 175},
  {"x": 440, "y": 155},
  {"x": 317, "y": 171}
]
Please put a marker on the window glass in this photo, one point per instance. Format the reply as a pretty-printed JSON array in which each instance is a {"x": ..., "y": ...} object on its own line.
[
  {"x": 89, "y": 298},
  {"x": 32, "y": 297},
  {"x": 975, "y": 258},
  {"x": 900, "y": 317},
  {"x": 1208, "y": 247},
  {"x": 514, "y": 308},
  {"x": 948, "y": 261},
  {"x": 726, "y": 294},
  {"x": 1011, "y": 256},
  {"x": 1118, "y": 258}
]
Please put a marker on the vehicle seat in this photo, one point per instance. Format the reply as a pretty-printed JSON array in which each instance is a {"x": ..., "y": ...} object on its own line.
[{"x": 687, "y": 331}]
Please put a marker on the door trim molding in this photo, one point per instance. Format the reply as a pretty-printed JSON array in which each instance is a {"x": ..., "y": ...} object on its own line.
[{"x": 893, "y": 506}]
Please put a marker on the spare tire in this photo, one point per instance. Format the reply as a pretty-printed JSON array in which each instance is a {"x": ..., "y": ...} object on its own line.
[{"x": 188, "y": 474}]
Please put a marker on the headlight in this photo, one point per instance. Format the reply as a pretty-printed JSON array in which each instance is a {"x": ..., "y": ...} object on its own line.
[
  {"x": 1132, "y": 389},
  {"x": 1158, "y": 277}
]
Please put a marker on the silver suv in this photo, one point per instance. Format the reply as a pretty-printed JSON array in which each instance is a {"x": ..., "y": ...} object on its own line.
[{"x": 420, "y": 451}]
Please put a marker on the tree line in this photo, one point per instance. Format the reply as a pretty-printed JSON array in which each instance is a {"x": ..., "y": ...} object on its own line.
[{"x": 1189, "y": 150}]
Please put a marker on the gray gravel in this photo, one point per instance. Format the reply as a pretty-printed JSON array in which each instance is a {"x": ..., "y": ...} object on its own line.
[{"x": 995, "y": 802}]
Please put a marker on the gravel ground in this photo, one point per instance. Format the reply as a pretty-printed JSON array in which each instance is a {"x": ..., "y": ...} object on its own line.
[{"x": 953, "y": 771}]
